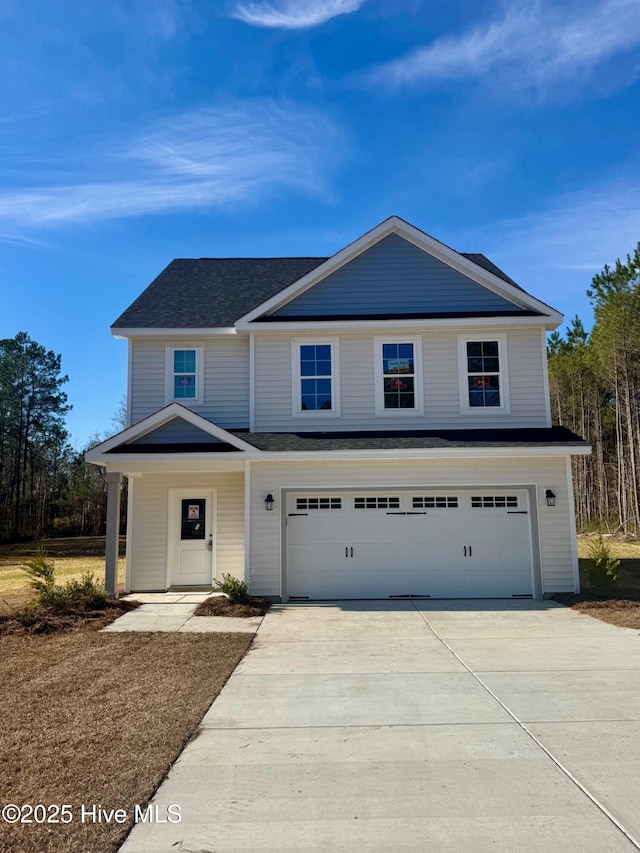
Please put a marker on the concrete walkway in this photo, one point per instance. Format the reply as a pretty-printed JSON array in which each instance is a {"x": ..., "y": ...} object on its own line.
[
  {"x": 469, "y": 726},
  {"x": 173, "y": 611}
]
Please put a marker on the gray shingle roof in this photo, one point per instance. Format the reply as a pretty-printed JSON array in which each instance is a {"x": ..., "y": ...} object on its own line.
[
  {"x": 215, "y": 292},
  {"x": 411, "y": 439},
  {"x": 212, "y": 292}
]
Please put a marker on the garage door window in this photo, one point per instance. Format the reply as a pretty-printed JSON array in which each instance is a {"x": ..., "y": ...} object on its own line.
[
  {"x": 376, "y": 503},
  {"x": 319, "y": 503},
  {"x": 494, "y": 501},
  {"x": 437, "y": 502}
]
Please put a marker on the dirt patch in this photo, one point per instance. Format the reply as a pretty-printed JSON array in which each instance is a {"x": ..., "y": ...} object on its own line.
[
  {"x": 621, "y": 608},
  {"x": 219, "y": 605},
  {"x": 91, "y": 718},
  {"x": 39, "y": 620}
]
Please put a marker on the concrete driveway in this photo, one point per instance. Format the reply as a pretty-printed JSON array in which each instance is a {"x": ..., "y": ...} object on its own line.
[{"x": 416, "y": 726}]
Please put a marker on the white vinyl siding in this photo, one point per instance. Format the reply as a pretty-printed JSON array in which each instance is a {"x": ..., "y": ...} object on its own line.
[
  {"x": 226, "y": 380},
  {"x": 556, "y": 550},
  {"x": 440, "y": 384},
  {"x": 150, "y": 515}
]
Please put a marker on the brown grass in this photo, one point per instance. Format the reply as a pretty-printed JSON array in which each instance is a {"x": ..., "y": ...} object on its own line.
[
  {"x": 33, "y": 620},
  {"x": 72, "y": 556},
  {"x": 219, "y": 605},
  {"x": 99, "y": 718},
  {"x": 621, "y": 607}
]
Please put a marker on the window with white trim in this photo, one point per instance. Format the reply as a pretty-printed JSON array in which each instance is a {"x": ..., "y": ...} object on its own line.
[
  {"x": 483, "y": 377},
  {"x": 314, "y": 377},
  {"x": 398, "y": 372},
  {"x": 184, "y": 374}
]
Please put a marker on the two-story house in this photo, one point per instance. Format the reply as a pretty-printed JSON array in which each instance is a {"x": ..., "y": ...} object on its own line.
[{"x": 370, "y": 425}]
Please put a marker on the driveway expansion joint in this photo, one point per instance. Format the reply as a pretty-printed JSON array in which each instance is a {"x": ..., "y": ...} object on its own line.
[{"x": 596, "y": 802}]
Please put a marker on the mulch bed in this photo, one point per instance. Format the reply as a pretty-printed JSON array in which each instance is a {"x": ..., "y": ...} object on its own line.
[
  {"x": 38, "y": 620},
  {"x": 219, "y": 605},
  {"x": 621, "y": 607},
  {"x": 90, "y": 718}
]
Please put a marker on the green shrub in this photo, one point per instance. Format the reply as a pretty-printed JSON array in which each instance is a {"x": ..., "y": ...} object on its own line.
[
  {"x": 86, "y": 593},
  {"x": 40, "y": 572},
  {"x": 602, "y": 568},
  {"x": 236, "y": 590}
]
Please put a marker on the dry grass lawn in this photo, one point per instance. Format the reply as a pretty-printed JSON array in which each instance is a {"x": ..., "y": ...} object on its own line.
[
  {"x": 72, "y": 557},
  {"x": 99, "y": 718}
]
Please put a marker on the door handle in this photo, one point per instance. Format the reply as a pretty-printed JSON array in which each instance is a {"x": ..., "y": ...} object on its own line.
[
  {"x": 346, "y": 552},
  {"x": 210, "y": 544},
  {"x": 352, "y": 550},
  {"x": 469, "y": 550},
  {"x": 465, "y": 550}
]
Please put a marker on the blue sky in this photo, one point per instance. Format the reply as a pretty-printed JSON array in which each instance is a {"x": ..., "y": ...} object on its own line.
[{"x": 136, "y": 131}]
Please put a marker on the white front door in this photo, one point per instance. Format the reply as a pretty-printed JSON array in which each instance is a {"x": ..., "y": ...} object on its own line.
[{"x": 191, "y": 537}]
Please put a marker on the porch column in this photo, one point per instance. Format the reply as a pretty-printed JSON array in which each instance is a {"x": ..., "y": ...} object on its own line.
[{"x": 114, "y": 483}]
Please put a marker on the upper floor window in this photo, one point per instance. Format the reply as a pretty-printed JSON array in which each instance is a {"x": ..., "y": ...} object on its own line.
[
  {"x": 398, "y": 377},
  {"x": 315, "y": 371},
  {"x": 184, "y": 378},
  {"x": 483, "y": 383}
]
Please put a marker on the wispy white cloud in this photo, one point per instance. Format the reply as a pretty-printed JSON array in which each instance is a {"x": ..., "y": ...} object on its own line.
[
  {"x": 529, "y": 44},
  {"x": 203, "y": 159},
  {"x": 556, "y": 249},
  {"x": 292, "y": 14}
]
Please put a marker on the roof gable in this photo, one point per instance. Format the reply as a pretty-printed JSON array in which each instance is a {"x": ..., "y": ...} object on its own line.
[
  {"x": 227, "y": 295},
  {"x": 476, "y": 268},
  {"x": 172, "y": 429},
  {"x": 394, "y": 278}
]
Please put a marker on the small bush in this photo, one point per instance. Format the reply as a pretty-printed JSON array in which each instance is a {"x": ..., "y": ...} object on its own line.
[
  {"x": 602, "y": 568},
  {"x": 40, "y": 572},
  {"x": 85, "y": 594},
  {"x": 89, "y": 591},
  {"x": 236, "y": 590}
]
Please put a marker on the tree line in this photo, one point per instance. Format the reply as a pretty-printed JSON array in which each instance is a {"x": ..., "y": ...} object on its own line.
[
  {"x": 594, "y": 380},
  {"x": 46, "y": 487}
]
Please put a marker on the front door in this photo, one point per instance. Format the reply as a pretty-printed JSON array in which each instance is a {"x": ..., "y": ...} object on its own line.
[{"x": 191, "y": 539}]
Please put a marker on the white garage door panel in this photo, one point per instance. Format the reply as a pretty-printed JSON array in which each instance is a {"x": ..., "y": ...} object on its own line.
[{"x": 480, "y": 547}]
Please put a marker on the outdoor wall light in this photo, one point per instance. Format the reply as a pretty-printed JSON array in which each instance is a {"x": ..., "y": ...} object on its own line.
[
  {"x": 551, "y": 498},
  {"x": 268, "y": 502}
]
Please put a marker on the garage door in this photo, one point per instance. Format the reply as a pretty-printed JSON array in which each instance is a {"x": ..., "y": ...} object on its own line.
[{"x": 436, "y": 544}]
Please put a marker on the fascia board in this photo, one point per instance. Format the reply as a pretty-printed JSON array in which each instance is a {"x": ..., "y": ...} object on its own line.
[
  {"x": 133, "y": 332},
  {"x": 549, "y": 322},
  {"x": 423, "y": 241},
  {"x": 430, "y": 453},
  {"x": 135, "y": 462}
]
